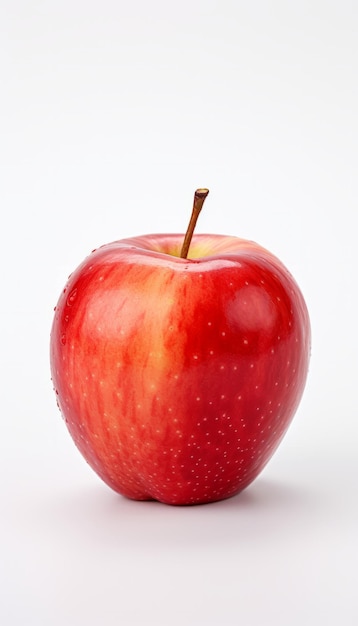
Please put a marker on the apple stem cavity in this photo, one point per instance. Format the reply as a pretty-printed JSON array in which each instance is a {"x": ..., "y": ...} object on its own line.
[{"x": 199, "y": 199}]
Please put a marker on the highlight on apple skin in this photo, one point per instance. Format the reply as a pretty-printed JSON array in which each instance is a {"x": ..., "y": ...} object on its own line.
[{"x": 178, "y": 377}]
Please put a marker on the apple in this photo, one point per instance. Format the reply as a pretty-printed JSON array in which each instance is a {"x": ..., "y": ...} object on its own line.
[{"x": 178, "y": 377}]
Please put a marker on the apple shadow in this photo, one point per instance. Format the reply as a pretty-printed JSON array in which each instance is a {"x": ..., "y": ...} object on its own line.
[
  {"x": 98, "y": 516},
  {"x": 266, "y": 494},
  {"x": 262, "y": 494},
  {"x": 264, "y": 511}
]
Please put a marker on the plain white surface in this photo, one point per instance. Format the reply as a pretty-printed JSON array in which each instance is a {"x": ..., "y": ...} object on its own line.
[{"x": 112, "y": 113}]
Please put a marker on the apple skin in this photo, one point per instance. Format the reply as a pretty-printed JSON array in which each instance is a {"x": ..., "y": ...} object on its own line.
[{"x": 177, "y": 378}]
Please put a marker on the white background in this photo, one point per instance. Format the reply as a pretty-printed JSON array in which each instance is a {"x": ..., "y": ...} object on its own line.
[{"x": 111, "y": 114}]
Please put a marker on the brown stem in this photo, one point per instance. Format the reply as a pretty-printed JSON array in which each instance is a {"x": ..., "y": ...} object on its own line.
[{"x": 199, "y": 199}]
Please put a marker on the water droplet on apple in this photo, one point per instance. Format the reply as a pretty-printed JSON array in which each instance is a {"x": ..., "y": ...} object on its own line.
[
  {"x": 63, "y": 339},
  {"x": 72, "y": 297}
]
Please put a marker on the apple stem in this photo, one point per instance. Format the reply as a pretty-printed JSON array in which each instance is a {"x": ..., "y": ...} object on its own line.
[{"x": 199, "y": 199}]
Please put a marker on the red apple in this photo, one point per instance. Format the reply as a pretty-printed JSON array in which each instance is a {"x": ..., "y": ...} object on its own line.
[{"x": 178, "y": 377}]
